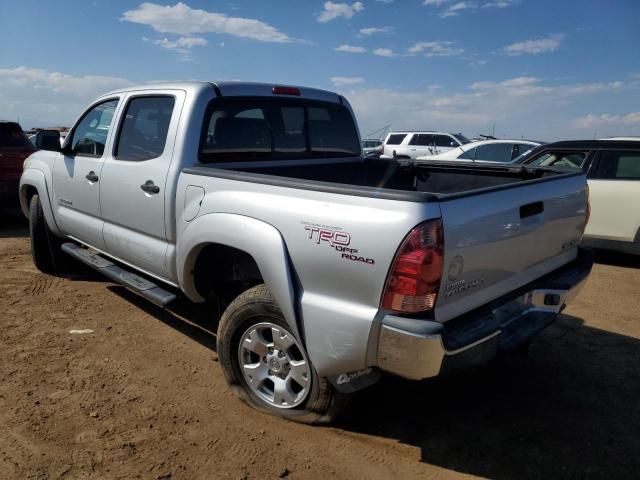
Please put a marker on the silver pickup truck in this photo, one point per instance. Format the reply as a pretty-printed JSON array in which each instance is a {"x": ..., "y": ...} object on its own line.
[{"x": 328, "y": 268}]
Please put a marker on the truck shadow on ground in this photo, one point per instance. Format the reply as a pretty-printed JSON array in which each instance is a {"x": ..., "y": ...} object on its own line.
[
  {"x": 198, "y": 322},
  {"x": 571, "y": 411}
]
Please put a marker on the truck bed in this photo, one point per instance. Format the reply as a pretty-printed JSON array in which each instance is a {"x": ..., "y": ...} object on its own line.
[
  {"x": 380, "y": 178},
  {"x": 509, "y": 225}
]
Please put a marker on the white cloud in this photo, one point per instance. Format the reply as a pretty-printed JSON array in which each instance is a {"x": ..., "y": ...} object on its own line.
[
  {"x": 434, "y": 3},
  {"x": 182, "y": 45},
  {"x": 385, "y": 1},
  {"x": 607, "y": 120},
  {"x": 340, "y": 81},
  {"x": 517, "y": 105},
  {"x": 374, "y": 30},
  {"x": 500, "y": 4},
  {"x": 44, "y": 98},
  {"x": 436, "y": 49},
  {"x": 184, "y": 20},
  {"x": 350, "y": 49},
  {"x": 384, "y": 52},
  {"x": 534, "y": 47},
  {"x": 456, "y": 8},
  {"x": 335, "y": 10}
]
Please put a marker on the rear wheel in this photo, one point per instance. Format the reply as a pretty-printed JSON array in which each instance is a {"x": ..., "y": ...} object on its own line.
[
  {"x": 45, "y": 246},
  {"x": 267, "y": 367}
]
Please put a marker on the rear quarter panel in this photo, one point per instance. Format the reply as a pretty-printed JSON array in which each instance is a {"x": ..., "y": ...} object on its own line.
[{"x": 340, "y": 248}]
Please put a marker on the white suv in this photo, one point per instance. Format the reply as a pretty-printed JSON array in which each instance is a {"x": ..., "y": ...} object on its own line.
[{"x": 414, "y": 144}]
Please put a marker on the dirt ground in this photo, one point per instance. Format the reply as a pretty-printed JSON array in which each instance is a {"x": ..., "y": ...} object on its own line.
[{"x": 143, "y": 397}]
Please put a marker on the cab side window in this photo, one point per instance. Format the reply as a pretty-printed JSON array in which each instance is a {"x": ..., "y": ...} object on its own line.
[
  {"x": 144, "y": 128},
  {"x": 90, "y": 134},
  {"x": 618, "y": 166}
]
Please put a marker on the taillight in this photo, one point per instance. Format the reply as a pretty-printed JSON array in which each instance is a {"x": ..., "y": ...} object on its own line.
[
  {"x": 286, "y": 91},
  {"x": 414, "y": 279},
  {"x": 382, "y": 151}
]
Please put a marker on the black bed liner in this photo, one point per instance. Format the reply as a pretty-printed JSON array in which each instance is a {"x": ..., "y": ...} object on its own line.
[{"x": 385, "y": 179}]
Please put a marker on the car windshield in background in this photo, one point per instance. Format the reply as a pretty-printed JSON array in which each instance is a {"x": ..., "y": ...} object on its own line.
[
  {"x": 396, "y": 139},
  {"x": 562, "y": 160},
  {"x": 11, "y": 135},
  {"x": 461, "y": 138},
  {"x": 265, "y": 129}
]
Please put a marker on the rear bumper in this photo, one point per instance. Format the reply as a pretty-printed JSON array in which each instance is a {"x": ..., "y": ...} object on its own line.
[{"x": 418, "y": 349}]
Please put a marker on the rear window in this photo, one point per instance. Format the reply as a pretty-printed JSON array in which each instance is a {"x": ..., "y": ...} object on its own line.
[
  {"x": 258, "y": 128},
  {"x": 562, "y": 160},
  {"x": 461, "y": 138},
  {"x": 396, "y": 138},
  {"x": 11, "y": 135}
]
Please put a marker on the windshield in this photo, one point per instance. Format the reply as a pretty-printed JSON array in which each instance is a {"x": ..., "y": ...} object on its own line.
[
  {"x": 461, "y": 138},
  {"x": 11, "y": 135},
  {"x": 262, "y": 128}
]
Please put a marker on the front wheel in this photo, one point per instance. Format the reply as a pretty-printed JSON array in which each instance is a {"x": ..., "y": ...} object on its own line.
[{"x": 267, "y": 367}]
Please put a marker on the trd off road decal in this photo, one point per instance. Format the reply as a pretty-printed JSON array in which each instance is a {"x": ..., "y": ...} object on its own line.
[{"x": 336, "y": 238}]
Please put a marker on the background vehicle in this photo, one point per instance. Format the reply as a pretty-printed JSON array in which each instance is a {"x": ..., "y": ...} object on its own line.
[
  {"x": 404, "y": 145},
  {"x": 14, "y": 150},
  {"x": 503, "y": 151},
  {"x": 63, "y": 137},
  {"x": 372, "y": 147},
  {"x": 329, "y": 267},
  {"x": 613, "y": 174}
]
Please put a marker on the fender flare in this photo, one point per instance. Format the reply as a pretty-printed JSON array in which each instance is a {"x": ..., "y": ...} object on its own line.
[
  {"x": 259, "y": 239},
  {"x": 35, "y": 178}
]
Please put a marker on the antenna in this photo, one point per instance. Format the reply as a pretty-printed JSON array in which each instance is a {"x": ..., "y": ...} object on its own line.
[{"x": 379, "y": 133}]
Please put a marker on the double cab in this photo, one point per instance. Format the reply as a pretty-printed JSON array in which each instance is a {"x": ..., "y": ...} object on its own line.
[{"x": 328, "y": 268}]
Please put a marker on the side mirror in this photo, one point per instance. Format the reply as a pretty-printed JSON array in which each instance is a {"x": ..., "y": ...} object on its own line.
[
  {"x": 453, "y": 144},
  {"x": 48, "y": 140}
]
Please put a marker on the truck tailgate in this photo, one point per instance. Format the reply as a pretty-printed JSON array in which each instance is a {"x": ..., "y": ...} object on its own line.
[{"x": 500, "y": 240}]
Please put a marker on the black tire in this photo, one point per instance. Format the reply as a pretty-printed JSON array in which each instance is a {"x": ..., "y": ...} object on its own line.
[
  {"x": 45, "y": 246},
  {"x": 323, "y": 403}
]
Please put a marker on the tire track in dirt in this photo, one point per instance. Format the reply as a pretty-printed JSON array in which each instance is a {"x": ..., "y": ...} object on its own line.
[{"x": 41, "y": 284}]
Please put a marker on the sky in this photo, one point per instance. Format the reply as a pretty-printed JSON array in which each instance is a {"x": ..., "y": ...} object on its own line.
[{"x": 537, "y": 69}]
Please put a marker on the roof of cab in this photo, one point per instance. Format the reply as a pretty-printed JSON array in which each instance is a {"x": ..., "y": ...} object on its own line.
[{"x": 231, "y": 89}]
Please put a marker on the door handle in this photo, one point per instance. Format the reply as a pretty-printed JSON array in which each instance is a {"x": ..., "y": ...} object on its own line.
[
  {"x": 149, "y": 187},
  {"x": 531, "y": 209},
  {"x": 91, "y": 176}
]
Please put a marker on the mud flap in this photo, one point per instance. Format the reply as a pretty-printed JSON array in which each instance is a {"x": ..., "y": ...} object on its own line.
[{"x": 354, "y": 381}]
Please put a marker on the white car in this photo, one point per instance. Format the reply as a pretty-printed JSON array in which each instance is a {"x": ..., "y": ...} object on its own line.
[
  {"x": 408, "y": 145},
  {"x": 503, "y": 151},
  {"x": 613, "y": 174}
]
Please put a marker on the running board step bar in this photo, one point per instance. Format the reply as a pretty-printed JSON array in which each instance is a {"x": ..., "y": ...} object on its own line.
[{"x": 131, "y": 281}]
